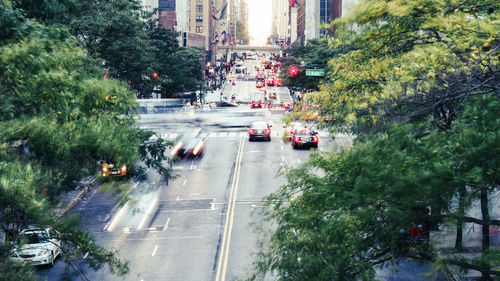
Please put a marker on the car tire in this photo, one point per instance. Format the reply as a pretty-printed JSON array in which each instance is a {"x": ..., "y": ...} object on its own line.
[
  {"x": 294, "y": 146},
  {"x": 269, "y": 138},
  {"x": 250, "y": 139}
]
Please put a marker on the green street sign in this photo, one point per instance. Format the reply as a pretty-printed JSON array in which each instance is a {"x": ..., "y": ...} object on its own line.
[{"x": 315, "y": 72}]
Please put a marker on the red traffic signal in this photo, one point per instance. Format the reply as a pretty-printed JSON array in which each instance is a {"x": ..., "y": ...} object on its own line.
[
  {"x": 293, "y": 70},
  {"x": 155, "y": 75}
]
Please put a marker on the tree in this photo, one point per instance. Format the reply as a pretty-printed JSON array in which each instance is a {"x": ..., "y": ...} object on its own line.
[
  {"x": 315, "y": 54},
  {"x": 59, "y": 115},
  {"x": 417, "y": 83},
  {"x": 242, "y": 32},
  {"x": 410, "y": 61},
  {"x": 180, "y": 67}
]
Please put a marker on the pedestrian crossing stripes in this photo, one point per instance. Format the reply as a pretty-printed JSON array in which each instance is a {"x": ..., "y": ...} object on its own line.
[{"x": 171, "y": 136}]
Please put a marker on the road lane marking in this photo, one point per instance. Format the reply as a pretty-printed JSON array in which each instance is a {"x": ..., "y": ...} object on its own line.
[
  {"x": 232, "y": 134},
  {"x": 86, "y": 255},
  {"x": 283, "y": 158},
  {"x": 228, "y": 225},
  {"x": 185, "y": 181},
  {"x": 166, "y": 225},
  {"x": 281, "y": 148},
  {"x": 149, "y": 210},
  {"x": 154, "y": 251}
]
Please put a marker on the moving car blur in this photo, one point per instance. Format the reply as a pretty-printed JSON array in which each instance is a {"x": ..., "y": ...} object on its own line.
[
  {"x": 190, "y": 144},
  {"x": 109, "y": 169}
]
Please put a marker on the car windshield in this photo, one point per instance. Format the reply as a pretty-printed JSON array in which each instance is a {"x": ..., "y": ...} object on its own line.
[
  {"x": 303, "y": 132},
  {"x": 34, "y": 237}
]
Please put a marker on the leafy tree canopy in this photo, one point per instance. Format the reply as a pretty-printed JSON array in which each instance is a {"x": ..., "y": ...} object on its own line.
[
  {"x": 411, "y": 59},
  {"x": 59, "y": 116}
]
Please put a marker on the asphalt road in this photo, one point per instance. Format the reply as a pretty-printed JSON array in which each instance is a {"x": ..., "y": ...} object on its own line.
[{"x": 201, "y": 225}]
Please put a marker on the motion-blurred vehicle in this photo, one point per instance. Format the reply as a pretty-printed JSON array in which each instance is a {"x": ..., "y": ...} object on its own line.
[
  {"x": 304, "y": 138},
  {"x": 189, "y": 144},
  {"x": 37, "y": 246},
  {"x": 259, "y": 130},
  {"x": 268, "y": 64},
  {"x": 272, "y": 95},
  {"x": 109, "y": 169}
]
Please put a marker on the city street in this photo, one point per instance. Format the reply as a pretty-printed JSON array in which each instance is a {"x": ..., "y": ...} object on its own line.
[{"x": 199, "y": 226}]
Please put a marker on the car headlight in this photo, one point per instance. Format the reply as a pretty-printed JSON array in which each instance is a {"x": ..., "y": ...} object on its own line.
[
  {"x": 104, "y": 169},
  {"x": 124, "y": 168}
]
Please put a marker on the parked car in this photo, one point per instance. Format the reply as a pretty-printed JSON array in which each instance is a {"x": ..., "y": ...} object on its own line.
[
  {"x": 190, "y": 144},
  {"x": 37, "y": 246},
  {"x": 304, "y": 138},
  {"x": 259, "y": 130}
]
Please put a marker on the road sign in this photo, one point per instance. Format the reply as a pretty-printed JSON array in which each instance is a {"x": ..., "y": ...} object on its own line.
[{"x": 315, "y": 72}]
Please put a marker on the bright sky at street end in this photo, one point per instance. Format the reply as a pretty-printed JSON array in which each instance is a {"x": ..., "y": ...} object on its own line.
[{"x": 259, "y": 21}]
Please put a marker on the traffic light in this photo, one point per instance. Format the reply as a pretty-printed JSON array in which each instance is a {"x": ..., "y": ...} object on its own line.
[
  {"x": 155, "y": 75},
  {"x": 293, "y": 71}
]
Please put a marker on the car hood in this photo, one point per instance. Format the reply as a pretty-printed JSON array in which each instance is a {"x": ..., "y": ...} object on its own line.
[{"x": 33, "y": 248}]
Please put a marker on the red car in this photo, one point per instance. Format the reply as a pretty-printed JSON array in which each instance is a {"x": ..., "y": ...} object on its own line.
[
  {"x": 259, "y": 130},
  {"x": 257, "y": 104}
]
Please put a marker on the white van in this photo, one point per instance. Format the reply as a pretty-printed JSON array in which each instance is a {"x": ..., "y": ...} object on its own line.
[{"x": 240, "y": 72}]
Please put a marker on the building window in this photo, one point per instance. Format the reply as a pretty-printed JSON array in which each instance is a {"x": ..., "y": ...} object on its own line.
[
  {"x": 199, "y": 29},
  {"x": 199, "y": 8},
  {"x": 199, "y": 18},
  {"x": 324, "y": 13}
]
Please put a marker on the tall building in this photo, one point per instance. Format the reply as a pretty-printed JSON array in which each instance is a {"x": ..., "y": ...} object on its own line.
[
  {"x": 311, "y": 14},
  {"x": 167, "y": 14}
]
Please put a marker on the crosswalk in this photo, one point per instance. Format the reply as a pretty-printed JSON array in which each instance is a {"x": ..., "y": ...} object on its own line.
[{"x": 172, "y": 136}]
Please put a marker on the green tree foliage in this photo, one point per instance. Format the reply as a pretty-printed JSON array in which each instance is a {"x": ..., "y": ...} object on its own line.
[
  {"x": 315, "y": 54},
  {"x": 417, "y": 82},
  {"x": 340, "y": 215},
  {"x": 242, "y": 32},
  {"x": 409, "y": 59},
  {"x": 129, "y": 42},
  {"x": 59, "y": 116},
  {"x": 180, "y": 67}
]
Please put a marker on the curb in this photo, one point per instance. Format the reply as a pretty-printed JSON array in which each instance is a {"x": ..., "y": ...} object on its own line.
[{"x": 76, "y": 199}]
